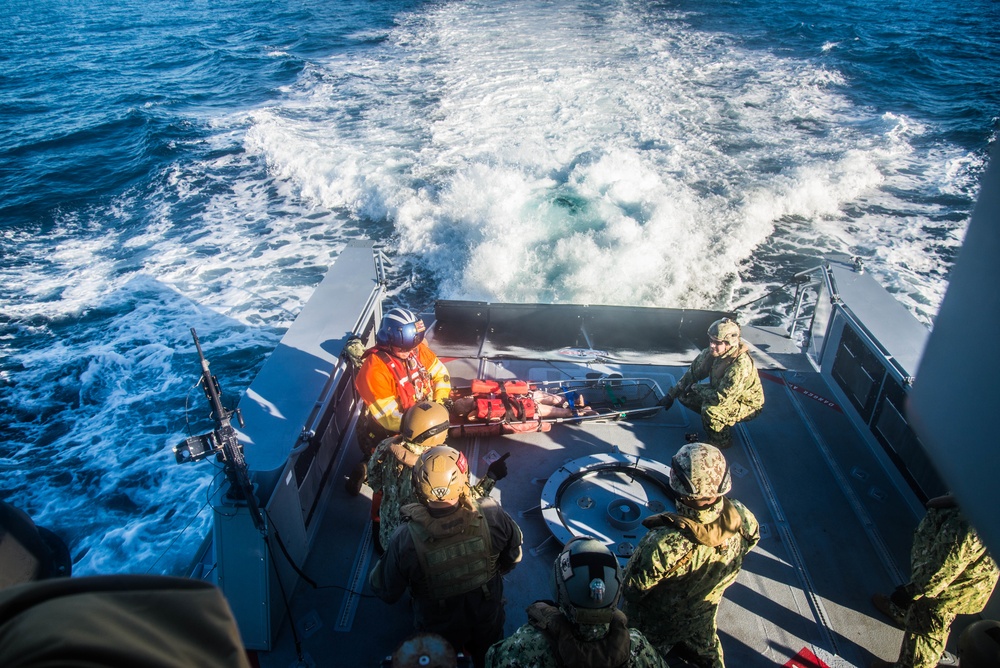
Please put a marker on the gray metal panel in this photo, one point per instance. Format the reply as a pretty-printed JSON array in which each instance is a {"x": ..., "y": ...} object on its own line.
[
  {"x": 888, "y": 321},
  {"x": 278, "y": 403},
  {"x": 243, "y": 570},
  {"x": 281, "y": 401},
  {"x": 953, "y": 401}
]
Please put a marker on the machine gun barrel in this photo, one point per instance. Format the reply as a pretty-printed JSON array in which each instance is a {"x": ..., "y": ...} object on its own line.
[{"x": 224, "y": 438}]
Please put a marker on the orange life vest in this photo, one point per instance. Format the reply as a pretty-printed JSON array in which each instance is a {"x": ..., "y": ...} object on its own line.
[{"x": 413, "y": 381}]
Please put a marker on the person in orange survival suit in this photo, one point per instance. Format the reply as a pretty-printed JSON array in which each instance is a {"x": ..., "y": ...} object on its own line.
[{"x": 397, "y": 373}]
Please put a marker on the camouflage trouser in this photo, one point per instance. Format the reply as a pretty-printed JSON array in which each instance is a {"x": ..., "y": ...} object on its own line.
[
  {"x": 696, "y": 640},
  {"x": 717, "y": 420},
  {"x": 927, "y": 624}
]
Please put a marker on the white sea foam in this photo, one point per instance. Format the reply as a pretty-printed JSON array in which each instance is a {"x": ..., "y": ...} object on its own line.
[
  {"x": 532, "y": 152},
  {"x": 540, "y": 164}
]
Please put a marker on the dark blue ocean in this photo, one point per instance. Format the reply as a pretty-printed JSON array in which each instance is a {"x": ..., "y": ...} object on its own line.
[{"x": 170, "y": 164}]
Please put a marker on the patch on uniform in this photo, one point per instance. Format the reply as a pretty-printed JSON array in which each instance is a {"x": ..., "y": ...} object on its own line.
[
  {"x": 805, "y": 659},
  {"x": 462, "y": 463},
  {"x": 565, "y": 568}
]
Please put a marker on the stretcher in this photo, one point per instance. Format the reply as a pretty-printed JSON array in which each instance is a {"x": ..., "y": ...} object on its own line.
[{"x": 489, "y": 407}]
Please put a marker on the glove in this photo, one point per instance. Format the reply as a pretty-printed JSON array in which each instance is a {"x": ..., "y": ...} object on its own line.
[
  {"x": 355, "y": 351},
  {"x": 942, "y": 502},
  {"x": 902, "y": 597},
  {"x": 447, "y": 402},
  {"x": 667, "y": 401},
  {"x": 497, "y": 471}
]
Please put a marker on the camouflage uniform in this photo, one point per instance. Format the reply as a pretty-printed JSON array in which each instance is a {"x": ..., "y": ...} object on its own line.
[
  {"x": 388, "y": 474},
  {"x": 733, "y": 393},
  {"x": 952, "y": 574},
  {"x": 528, "y": 647},
  {"x": 674, "y": 582}
]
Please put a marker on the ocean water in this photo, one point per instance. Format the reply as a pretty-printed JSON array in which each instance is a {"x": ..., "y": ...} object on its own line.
[{"x": 175, "y": 164}]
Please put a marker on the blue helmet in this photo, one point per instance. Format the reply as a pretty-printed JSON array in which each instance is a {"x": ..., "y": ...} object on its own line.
[{"x": 400, "y": 328}]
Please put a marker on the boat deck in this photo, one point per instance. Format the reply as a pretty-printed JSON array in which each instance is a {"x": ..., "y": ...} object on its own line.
[{"x": 836, "y": 524}]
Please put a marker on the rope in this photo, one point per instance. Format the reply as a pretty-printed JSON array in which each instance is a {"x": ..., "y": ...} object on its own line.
[{"x": 766, "y": 295}]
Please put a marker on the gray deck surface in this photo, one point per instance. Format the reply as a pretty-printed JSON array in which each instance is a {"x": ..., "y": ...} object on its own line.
[{"x": 835, "y": 528}]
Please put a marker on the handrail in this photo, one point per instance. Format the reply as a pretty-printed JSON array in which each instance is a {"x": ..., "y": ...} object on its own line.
[
  {"x": 800, "y": 294},
  {"x": 799, "y": 280}
]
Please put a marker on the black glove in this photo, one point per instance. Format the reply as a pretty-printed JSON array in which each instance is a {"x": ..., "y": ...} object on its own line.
[
  {"x": 942, "y": 502},
  {"x": 667, "y": 401},
  {"x": 902, "y": 597},
  {"x": 498, "y": 469}
]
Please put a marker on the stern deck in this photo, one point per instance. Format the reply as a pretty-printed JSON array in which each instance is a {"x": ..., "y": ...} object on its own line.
[{"x": 836, "y": 525}]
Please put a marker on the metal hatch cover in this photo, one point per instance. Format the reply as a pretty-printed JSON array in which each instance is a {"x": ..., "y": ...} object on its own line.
[{"x": 607, "y": 496}]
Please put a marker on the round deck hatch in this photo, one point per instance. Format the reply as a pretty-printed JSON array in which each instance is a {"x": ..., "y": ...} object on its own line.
[{"x": 606, "y": 496}]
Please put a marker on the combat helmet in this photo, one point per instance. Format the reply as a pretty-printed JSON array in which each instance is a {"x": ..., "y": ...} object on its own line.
[
  {"x": 441, "y": 475},
  {"x": 400, "y": 329},
  {"x": 587, "y": 581},
  {"x": 979, "y": 645},
  {"x": 698, "y": 472},
  {"x": 725, "y": 330},
  {"x": 425, "y": 650},
  {"x": 425, "y": 424}
]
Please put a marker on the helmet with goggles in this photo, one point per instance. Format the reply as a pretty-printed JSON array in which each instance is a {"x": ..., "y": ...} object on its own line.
[
  {"x": 441, "y": 475},
  {"x": 425, "y": 424},
  {"x": 587, "y": 580}
]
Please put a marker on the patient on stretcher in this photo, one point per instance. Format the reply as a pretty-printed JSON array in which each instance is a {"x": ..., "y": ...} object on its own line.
[{"x": 535, "y": 404}]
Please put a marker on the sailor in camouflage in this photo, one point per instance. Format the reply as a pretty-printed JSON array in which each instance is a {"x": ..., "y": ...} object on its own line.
[
  {"x": 451, "y": 552},
  {"x": 424, "y": 426},
  {"x": 676, "y": 578},
  {"x": 583, "y": 627},
  {"x": 951, "y": 574},
  {"x": 733, "y": 392}
]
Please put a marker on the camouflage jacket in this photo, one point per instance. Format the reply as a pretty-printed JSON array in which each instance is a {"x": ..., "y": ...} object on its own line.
[
  {"x": 733, "y": 376},
  {"x": 950, "y": 564},
  {"x": 672, "y": 581},
  {"x": 390, "y": 474},
  {"x": 528, "y": 647}
]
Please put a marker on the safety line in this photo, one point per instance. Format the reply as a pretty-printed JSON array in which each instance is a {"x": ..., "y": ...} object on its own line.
[{"x": 801, "y": 390}]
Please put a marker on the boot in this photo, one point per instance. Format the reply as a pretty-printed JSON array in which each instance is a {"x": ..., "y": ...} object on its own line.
[
  {"x": 358, "y": 477},
  {"x": 884, "y": 605}
]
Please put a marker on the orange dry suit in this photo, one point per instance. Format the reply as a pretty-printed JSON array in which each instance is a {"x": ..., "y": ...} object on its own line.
[{"x": 389, "y": 385}]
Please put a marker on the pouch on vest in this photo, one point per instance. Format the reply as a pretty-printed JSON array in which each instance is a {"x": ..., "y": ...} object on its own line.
[
  {"x": 516, "y": 387},
  {"x": 485, "y": 386},
  {"x": 490, "y": 409},
  {"x": 613, "y": 650},
  {"x": 522, "y": 407}
]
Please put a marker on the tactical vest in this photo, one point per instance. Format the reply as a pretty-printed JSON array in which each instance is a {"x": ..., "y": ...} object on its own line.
[
  {"x": 611, "y": 651},
  {"x": 454, "y": 552},
  {"x": 714, "y": 534},
  {"x": 413, "y": 381},
  {"x": 721, "y": 364}
]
